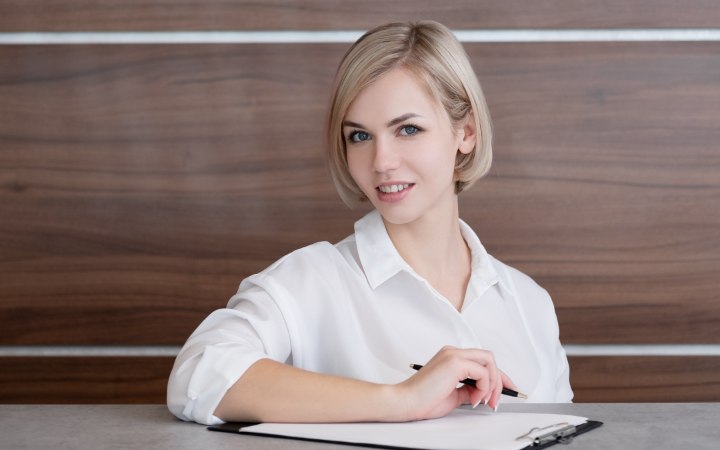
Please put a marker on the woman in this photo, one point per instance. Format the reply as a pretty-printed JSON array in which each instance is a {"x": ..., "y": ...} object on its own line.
[{"x": 328, "y": 332}]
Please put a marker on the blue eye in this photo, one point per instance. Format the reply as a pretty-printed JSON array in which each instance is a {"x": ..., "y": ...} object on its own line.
[
  {"x": 409, "y": 130},
  {"x": 359, "y": 136}
]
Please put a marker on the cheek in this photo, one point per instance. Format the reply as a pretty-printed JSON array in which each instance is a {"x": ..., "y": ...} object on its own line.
[
  {"x": 356, "y": 166},
  {"x": 439, "y": 157}
]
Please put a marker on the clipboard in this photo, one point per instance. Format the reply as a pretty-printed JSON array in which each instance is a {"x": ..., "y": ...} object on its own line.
[
  {"x": 562, "y": 435},
  {"x": 394, "y": 436}
]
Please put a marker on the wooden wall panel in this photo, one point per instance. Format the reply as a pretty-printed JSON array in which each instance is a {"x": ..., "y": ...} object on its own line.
[
  {"x": 143, "y": 379},
  {"x": 138, "y": 190},
  {"x": 621, "y": 379},
  {"x": 83, "y": 380},
  {"x": 142, "y": 15},
  {"x": 605, "y": 186},
  {"x": 140, "y": 184}
]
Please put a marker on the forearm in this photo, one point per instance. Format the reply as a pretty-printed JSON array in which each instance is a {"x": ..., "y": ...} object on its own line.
[
  {"x": 270, "y": 391},
  {"x": 274, "y": 392}
]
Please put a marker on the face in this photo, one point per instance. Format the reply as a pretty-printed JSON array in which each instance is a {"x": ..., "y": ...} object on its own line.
[{"x": 401, "y": 149}]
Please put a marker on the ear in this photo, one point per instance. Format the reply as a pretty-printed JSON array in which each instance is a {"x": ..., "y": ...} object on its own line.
[{"x": 468, "y": 135}]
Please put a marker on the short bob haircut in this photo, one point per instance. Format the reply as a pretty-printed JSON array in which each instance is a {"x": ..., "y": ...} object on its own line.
[{"x": 431, "y": 52}]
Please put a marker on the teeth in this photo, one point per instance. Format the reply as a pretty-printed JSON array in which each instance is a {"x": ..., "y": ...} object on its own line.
[{"x": 393, "y": 188}]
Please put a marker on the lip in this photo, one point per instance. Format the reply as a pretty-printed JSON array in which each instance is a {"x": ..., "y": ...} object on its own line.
[{"x": 392, "y": 197}]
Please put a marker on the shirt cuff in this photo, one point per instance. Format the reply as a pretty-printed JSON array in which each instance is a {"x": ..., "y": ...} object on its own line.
[{"x": 218, "y": 369}]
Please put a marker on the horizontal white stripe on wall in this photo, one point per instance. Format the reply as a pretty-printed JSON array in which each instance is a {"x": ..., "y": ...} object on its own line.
[
  {"x": 172, "y": 351},
  {"x": 304, "y": 37},
  {"x": 88, "y": 350},
  {"x": 643, "y": 350}
]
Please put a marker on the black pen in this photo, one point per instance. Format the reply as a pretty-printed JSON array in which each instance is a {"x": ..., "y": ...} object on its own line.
[{"x": 471, "y": 382}]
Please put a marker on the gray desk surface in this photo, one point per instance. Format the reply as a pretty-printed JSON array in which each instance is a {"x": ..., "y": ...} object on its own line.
[{"x": 631, "y": 426}]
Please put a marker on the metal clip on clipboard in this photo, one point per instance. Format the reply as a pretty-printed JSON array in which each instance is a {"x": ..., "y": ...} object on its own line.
[{"x": 561, "y": 432}]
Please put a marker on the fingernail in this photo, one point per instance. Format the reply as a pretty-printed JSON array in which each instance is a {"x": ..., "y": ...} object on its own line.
[
  {"x": 485, "y": 401},
  {"x": 476, "y": 404},
  {"x": 496, "y": 408}
]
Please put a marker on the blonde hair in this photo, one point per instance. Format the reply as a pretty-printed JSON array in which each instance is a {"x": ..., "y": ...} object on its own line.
[{"x": 431, "y": 52}]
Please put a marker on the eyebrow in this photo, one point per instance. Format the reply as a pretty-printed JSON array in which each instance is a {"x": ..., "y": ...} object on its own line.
[
  {"x": 395, "y": 121},
  {"x": 402, "y": 118}
]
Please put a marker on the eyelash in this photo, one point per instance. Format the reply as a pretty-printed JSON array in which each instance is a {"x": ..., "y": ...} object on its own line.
[
  {"x": 409, "y": 125},
  {"x": 351, "y": 136},
  {"x": 354, "y": 133}
]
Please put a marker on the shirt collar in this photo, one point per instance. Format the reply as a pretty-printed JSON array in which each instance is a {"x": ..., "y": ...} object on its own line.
[
  {"x": 379, "y": 258},
  {"x": 484, "y": 274},
  {"x": 381, "y": 261}
]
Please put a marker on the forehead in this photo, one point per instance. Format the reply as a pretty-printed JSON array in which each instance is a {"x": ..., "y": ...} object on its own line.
[{"x": 395, "y": 93}]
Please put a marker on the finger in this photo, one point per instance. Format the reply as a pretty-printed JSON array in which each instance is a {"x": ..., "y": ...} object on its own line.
[
  {"x": 470, "y": 395},
  {"x": 484, "y": 371},
  {"x": 484, "y": 357},
  {"x": 481, "y": 375},
  {"x": 475, "y": 364},
  {"x": 507, "y": 382},
  {"x": 494, "y": 379},
  {"x": 488, "y": 360},
  {"x": 497, "y": 391}
]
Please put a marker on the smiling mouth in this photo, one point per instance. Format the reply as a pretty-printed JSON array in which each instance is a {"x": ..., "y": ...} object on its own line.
[{"x": 391, "y": 188}]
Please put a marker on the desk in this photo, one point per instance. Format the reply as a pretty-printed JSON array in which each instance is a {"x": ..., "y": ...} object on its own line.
[{"x": 632, "y": 426}]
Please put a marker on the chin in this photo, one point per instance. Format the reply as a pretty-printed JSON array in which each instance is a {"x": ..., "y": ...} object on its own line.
[{"x": 396, "y": 216}]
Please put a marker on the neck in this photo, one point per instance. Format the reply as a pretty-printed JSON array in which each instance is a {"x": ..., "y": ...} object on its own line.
[
  {"x": 429, "y": 238},
  {"x": 434, "y": 247}
]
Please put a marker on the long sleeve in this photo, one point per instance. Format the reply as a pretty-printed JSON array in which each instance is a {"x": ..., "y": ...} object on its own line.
[{"x": 221, "y": 349}]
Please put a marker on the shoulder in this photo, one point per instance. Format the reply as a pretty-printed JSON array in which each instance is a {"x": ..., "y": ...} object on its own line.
[
  {"x": 312, "y": 259},
  {"x": 315, "y": 266},
  {"x": 304, "y": 270},
  {"x": 514, "y": 275},
  {"x": 302, "y": 282},
  {"x": 521, "y": 285},
  {"x": 532, "y": 299}
]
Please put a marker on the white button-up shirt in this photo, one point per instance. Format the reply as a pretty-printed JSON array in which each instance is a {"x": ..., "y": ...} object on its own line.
[{"x": 357, "y": 309}]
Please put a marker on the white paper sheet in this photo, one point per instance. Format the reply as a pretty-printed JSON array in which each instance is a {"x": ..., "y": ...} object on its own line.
[{"x": 460, "y": 430}]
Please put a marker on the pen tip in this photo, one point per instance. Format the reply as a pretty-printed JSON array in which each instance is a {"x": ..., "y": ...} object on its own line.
[{"x": 521, "y": 395}]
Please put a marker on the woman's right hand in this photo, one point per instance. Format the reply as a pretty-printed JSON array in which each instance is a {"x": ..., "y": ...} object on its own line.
[{"x": 433, "y": 391}]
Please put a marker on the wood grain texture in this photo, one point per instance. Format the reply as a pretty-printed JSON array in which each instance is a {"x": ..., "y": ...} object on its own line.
[
  {"x": 83, "y": 380},
  {"x": 99, "y": 380},
  {"x": 645, "y": 379},
  {"x": 146, "y": 15},
  {"x": 140, "y": 184},
  {"x": 606, "y": 184}
]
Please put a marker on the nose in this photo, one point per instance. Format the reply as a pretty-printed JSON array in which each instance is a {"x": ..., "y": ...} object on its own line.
[{"x": 386, "y": 157}]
